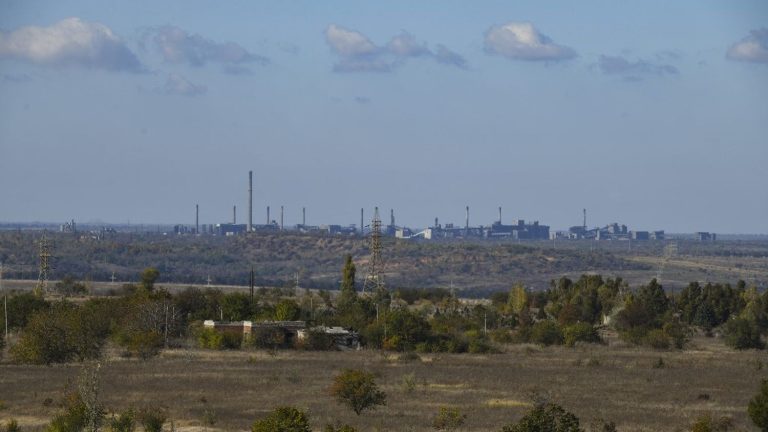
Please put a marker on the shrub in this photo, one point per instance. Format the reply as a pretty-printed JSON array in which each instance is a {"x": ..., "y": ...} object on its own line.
[
  {"x": 317, "y": 340},
  {"x": 209, "y": 338},
  {"x": 358, "y": 390},
  {"x": 73, "y": 418},
  {"x": 545, "y": 418},
  {"x": 124, "y": 422},
  {"x": 580, "y": 332},
  {"x": 758, "y": 407},
  {"x": 283, "y": 419},
  {"x": 657, "y": 339},
  {"x": 708, "y": 423},
  {"x": 448, "y": 419},
  {"x": 268, "y": 338},
  {"x": 546, "y": 333},
  {"x": 11, "y": 426},
  {"x": 152, "y": 419},
  {"x": 743, "y": 334},
  {"x": 409, "y": 382},
  {"x": 142, "y": 344},
  {"x": 339, "y": 428}
]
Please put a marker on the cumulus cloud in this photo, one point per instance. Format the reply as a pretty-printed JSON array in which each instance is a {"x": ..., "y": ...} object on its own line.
[
  {"x": 357, "y": 53},
  {"x": 178, "y": 85},
  {"x": 69, "y": 42},
  {"x": 753, "y": 48},
  {"x": 633, "y": 70},
  {"x": 522, "y": 41},
  {"x": 181, "y": 47}
]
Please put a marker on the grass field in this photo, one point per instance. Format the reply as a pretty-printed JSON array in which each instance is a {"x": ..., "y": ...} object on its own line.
[{"x": 615, "y": 382}]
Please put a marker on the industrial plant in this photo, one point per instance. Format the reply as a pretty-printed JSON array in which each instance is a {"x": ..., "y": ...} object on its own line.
[{"x": 518, "y": 229}]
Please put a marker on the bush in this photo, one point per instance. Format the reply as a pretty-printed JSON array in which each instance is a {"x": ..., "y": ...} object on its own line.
[
  {"x": 73, "y": 418},
  {"x": 152, "y": 419},
  {"x": 657, "y": 339},
  {"x": 339, "y": 428},
  {"x": 209, "y": 338},
  {"x": 743, "y": 334},
  {"x": 124, "y": 422},
  {"x": 358, "y": 390},
  {"x": 11, "y": 426},
  {"x": 142, "y": 344},
  {"x": 268, "y": 338},
  {"x": 317, "y": 340},
  {"x": 546, "y": 333},
  {"x": 545, "y": 418},
  {"x": 448, "y": 419},
  {"x": 758, "y": 407},
  {"x": 708, "y": 423},
  {"x": 580, "y": 332},
  {"x": 283, "y": 419}
]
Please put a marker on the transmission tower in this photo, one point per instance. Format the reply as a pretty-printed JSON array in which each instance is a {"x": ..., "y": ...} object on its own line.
[
  {"x": 45, "y": 266},
  {"x": 374, "y": 281}
]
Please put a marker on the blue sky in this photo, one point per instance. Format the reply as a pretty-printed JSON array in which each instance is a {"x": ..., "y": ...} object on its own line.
[{"x": 653, "y": 114}]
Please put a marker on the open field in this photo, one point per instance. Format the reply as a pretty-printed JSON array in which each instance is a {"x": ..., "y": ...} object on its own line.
[{"x": 615, "y": 382}]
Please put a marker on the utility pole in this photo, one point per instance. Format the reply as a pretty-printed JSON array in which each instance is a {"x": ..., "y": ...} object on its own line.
[{"x": 5, "y": 295}]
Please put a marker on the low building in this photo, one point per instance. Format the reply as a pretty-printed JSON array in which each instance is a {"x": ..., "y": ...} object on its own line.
[
  {"x": 290, "y": 329},
  {"x": 343, "y": 339}
]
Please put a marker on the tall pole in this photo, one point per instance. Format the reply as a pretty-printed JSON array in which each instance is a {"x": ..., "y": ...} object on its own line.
[
  {"x": 499, "y": 215},
  {"x": 585, "y": 220},
  {"x": 250, "y": 201},
  {"x": 303, "y": 216},
  {"x": 267, "y": 215},
  {"x": 362, "y": 224},
  {"x": 234, "y": 215},
  {"x": 281, "y": 218},
  {"x": 197, "y": 219},
  {"x": 467, "y": 221}
]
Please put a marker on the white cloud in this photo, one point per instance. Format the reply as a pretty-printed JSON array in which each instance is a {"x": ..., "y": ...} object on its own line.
[
  {"x": 753, "y": 48},
  {"x": 357, "y": 53},
  {"x": 522, "y": 41},
  {"x": 177, "y": 84},
  {"x": 178, "y": 46},
  {"x": 633, "y": 70},
  {"x": 69, "y": 42}
]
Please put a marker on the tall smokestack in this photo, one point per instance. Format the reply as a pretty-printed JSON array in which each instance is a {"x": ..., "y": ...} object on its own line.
[
  {"x": 197, "y": 219},
  {"x": 361, "y": 222},
  {"x": 436, "y": 222},
  {"x": 250, "y": 201},
  {"x": 303, "y": 216},
  {"x": 467, "y": 222},
  {"x": 392, "y": 217},
  {"x": 234, "y": 215},
  {"x": 499, "y": 215},
  {"x": 267, "y": 215},
  {"x": 585, "y": 219},
  {"x": 281, "y": 218}
]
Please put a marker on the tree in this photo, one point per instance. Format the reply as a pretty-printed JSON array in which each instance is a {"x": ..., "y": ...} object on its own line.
[
  {"x": 518, "y": 299},
  {"x": 547, "y": 417},
  {"x": 743, "y": 334},
  {"x": 287, "y": 310},
  {"x": 348, "y": 294},
  {"x": 358, "y": 390},
  {"x": 546, "y": 333},
  {"x": 758, "y": 407},
  {"x": 283, "y": 419},
  {"x": 149, "y": 277}
]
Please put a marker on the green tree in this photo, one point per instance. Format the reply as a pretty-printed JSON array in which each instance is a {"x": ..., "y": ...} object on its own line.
[
  {"x": 518, "y": 299},
  {"x": 283, "y": 419},
  {"x": 149, "y": 277},
  {"x": 546, "y": 333},
  {"x": 546, "y": 417},
  {"x": 347, "y": 294},
  {"x": 358, "y": 390},
  {"x": 743, "y": 334},
  {"x": 287, "y": 310},
  {"x": 758, "y": 407}
]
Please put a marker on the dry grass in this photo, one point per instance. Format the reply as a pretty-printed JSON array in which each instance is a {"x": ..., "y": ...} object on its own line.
[{"x": 614, "y": 382}]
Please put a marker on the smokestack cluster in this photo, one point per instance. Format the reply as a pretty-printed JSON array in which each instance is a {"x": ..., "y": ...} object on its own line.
[{"x": 250, "y": 201}]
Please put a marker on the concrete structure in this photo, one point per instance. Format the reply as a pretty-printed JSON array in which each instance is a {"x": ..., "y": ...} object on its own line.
[{"x": 343, "y": 339}]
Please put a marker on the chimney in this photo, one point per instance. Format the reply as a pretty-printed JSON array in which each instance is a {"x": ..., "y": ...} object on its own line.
[
  {"x": 281, "y": 218},
  {"x": 250, "y": 201},
  {"x": 585, "y": 219},
  {"x": 361, "y": 222},
  {"x": 436, "y": 224},
  {"x": 197, "y": 219},
  {"x": 234, "y": 215},
  {"x": 467, "y": 222},
  {"x": 267, "y": 215},
  {"x": 392, "y": 217},
  {"x": 304, "y": 216},
  {"x": 499, "y": 215}
]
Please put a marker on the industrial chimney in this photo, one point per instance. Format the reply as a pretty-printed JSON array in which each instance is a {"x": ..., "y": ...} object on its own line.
[
  {"x": 467, "y": 222},
  {"x": 267, "y": 215},
  {"x": 362, "y": 225},
  {"x": 234, "y": 215},
  {"x": 303, "y": 216},
  {"x": 250, "y": 201},
  {"x": 392, "y": 217},
  {"x": 197, "y": 219},
  {"x": 499, "y": 215},
  {"x": 281, "y": 218}
]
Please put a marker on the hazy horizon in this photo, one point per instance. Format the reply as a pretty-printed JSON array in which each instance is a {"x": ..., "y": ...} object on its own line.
[{"x": 653, "y": 114}]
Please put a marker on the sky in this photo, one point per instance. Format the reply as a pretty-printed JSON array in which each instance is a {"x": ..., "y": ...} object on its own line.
[{"x": 653, "y": 114}]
